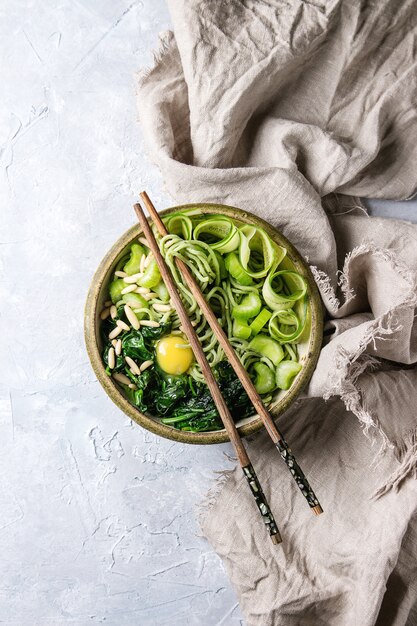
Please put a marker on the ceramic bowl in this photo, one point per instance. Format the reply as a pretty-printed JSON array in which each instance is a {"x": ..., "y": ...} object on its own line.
[{"x": 97, "y": 295}]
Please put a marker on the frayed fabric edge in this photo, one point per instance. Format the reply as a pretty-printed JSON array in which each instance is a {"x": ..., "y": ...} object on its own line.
[
  {"x": 221, "y": 478},
  {"x": 326, "y": 289},
  {"x": 408, "y": 466},
  {"x": 166, "y": 39},
  {"x": 382, "y": 253},
  {"x": 350, "y": 365}
]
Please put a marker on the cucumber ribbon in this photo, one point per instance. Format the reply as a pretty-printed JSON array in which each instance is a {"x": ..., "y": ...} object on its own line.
[
  {"x": 220, "y": 232},
  {"x": 288, "y": 325},
  {"x": 179, "y": 224},
  {"x": 282, "y": 289},
  {"x": 251, "y": 254},
  {"x": 258, "y": 255}
]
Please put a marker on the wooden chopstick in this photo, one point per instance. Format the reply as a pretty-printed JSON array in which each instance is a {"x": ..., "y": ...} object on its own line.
[
  {"x": 220, "y": 403},
  {"x": 242, "y": 374}
]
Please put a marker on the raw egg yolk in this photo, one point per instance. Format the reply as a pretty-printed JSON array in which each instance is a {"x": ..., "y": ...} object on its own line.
[{"x": 173, "y": 354}]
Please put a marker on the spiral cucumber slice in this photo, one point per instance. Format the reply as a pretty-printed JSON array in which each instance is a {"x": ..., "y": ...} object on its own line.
[
  {"x": 282, "y": 289},
  {"x": 288, "y": 325},
  {"x": 219, "y": 232},
  {"x": 180, "y": 224},
  {"x": 258, "y": 255}
]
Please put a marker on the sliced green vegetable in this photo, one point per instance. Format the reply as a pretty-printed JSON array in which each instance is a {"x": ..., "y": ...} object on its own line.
[
  {"x": 241, "y": 330},
  {"x": 286, "y": 372},
  {"x": 249, "y": 307},
  {"x": 135, "y": 300},
  {"x": 179, "y": 224},
  {"x": 122, "y": 262},
  {"x": 115, "y": 289},
  {"x": 236, "y": 270},
  {"x": 268, "y": 347},
  {"x": 133, "y": 264},
  {"x": 161, "y": 291},
  {"x": 282, "y": 289},
  {"x": 151, "y": 277},
  {"x": 222, "y": 266},
  {"x": 260, "y": 321},
  {"x": 219, "y": 232},
  {"x": 265, "y": 378},
  {"x": 258, "y": 254},
  {"x": 287, "y": 326},
  {"x": 292, "y": 351}
]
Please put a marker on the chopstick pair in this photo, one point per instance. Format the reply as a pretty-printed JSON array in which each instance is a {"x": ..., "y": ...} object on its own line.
[{"x": 242, "y": 374}]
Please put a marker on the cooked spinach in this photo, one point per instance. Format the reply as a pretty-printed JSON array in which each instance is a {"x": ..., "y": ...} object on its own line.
[
  {"x": 233, "y": 392},
  {"x": 180, "y": 401},
  {"x": 151, "y": 334},
  {"x": 198, "y": 412},
  {"x": 172, "y": 389},
  {"x": 133, "y": 345}
]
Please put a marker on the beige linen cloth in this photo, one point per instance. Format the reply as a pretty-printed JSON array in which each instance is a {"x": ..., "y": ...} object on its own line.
[{"x": 292, "y": 110}]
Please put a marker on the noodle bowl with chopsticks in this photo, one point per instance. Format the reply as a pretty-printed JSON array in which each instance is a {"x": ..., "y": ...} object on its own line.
[{"x": 259, "y": 299}]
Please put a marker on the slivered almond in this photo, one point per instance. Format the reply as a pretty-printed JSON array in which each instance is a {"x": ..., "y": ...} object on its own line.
[
  {"x": 116, "y": 331},
  {"x": 133, "y": 366},
  {"x": 131, "y": 317},
  {"x": 128, "y": 289},
  {"x": 121, "y": 378},
  {"x": 104, "y": 314},
  {"x": 122, "y": 325},
  {"x": 111, "y": 358},
  {"x": 162, "y": 308},
  {"x": 145, "y": 365},
  {"x": 151, "y": 323},
  {"x": 133, "y": 278}
]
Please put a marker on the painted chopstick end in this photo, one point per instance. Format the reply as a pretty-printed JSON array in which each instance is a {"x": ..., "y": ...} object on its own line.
[
  {"x": 276, "y": 539},
  {"x": 317, "y": 510}
]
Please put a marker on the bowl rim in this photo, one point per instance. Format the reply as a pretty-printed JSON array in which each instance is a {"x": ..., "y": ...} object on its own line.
[{"x": 150, "y": 423}]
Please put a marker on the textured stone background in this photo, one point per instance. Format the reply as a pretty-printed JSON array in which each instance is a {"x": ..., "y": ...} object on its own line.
[{"x": 97, "y": 516}]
